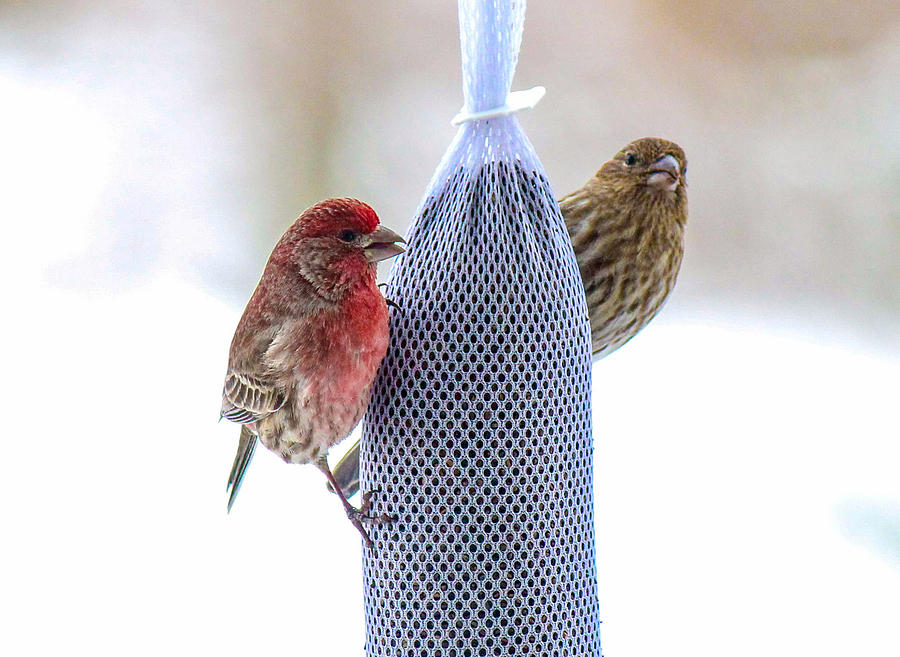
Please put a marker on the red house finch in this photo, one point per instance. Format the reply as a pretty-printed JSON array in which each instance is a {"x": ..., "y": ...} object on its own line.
[
  {"x": 307, "y": 347},
  {"x": 627, "y": 230}
]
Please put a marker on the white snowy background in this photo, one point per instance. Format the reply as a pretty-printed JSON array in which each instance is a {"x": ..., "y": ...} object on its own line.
[{"x": 747, "y": 457}]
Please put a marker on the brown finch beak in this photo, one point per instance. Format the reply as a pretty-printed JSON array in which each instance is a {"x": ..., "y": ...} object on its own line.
[
  {"x": 383, "y": 244},
  {"x": 664, "y": 174}
]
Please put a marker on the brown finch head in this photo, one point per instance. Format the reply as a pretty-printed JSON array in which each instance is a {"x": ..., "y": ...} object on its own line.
[
  {"x": 652, "y": 169},
  {"x": 335, "y": 245}
]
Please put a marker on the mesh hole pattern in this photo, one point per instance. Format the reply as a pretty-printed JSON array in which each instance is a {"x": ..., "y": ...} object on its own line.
[{"x": 478, "y": 435}]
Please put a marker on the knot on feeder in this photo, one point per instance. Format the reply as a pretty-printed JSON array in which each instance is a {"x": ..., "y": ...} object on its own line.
[{"x": 515, "y": 102}]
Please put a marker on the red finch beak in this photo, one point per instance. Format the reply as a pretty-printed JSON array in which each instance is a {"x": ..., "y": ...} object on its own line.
[
  {"x": 383, "y": 244},
  {"x": 664, "y": 174}
]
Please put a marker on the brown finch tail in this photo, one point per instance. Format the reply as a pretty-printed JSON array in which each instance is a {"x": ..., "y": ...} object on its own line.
[
  {"x": 246, "y": 447},
  {"x": 346, "y": 472}
]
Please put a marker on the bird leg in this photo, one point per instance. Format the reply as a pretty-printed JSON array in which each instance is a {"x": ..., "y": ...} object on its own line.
[{"x": 356, "y": 516}]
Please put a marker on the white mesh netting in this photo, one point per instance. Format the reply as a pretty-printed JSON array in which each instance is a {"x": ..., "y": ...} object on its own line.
[{"x": 478, "y": 435}]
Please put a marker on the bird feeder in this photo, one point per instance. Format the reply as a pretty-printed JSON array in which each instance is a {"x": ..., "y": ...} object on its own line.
[{"x": 478, "y": 436}]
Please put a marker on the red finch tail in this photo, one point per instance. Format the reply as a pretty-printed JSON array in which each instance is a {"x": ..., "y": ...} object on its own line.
[
  {"x": 246, "y": 447},
  {"x": 346, "y": 472}
]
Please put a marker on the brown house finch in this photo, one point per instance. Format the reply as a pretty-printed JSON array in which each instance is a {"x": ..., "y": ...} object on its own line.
[
  {"x": 307, "y": 347},
  {"x": 627, "y": 230}
]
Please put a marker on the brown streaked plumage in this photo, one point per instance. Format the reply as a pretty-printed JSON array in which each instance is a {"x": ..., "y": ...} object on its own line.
[{"x": 627, "y": 230}]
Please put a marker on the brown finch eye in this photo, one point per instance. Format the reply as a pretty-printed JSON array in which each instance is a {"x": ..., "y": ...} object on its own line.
[
  {"x": 347, "y": 236},
  {"x": 630, "y": 159}
]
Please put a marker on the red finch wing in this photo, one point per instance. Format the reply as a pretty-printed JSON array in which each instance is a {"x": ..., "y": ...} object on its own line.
[
  {"x": 252, "y": 391},
  {"x": 248, "y": 397}
]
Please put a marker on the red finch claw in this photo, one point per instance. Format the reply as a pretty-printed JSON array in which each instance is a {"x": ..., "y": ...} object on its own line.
[
  {"x": 363, "y": 510},
  {"x": 356, "y": 516},
  {"x": 392, "y": 304}
]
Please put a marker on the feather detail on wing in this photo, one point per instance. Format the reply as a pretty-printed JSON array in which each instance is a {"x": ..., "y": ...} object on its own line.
[
  {"x": 247, "y": 398},
  {"x": 246, "y": 447}
]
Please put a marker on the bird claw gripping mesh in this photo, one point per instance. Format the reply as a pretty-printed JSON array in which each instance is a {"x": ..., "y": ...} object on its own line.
[
  {"x": 478, "y": 433},
  {"x": 361, "y": 517},
  {"x": 362, "y": 513}
]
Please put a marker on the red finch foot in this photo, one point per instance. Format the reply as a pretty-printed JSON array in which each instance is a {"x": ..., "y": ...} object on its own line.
[{"x": 357, "y": 516}]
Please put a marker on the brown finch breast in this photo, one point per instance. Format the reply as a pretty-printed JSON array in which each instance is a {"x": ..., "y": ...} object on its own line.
[{"x": 627, "y": 230}]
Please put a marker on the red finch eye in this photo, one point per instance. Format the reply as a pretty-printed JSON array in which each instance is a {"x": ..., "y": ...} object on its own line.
[
  {"x": 347, "y": 236},
  {"x": 630, "y": 160}
]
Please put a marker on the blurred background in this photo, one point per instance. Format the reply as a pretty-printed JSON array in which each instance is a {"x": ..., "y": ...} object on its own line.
[{"x": 747, "y": 451}]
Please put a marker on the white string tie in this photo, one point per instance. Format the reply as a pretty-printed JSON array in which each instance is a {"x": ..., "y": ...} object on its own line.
[{"x": 515, "y": 101}]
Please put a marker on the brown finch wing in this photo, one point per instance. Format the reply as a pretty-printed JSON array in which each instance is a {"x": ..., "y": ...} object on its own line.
[
  {"x": 252, "y": 391},
  {"x": 248, "y": 397}
]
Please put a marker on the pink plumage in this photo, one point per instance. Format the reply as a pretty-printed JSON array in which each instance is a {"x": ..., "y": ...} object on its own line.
[{"x": 310, "y": 341}]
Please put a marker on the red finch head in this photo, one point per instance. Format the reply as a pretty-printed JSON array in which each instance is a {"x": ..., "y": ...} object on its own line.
[
  {"x": 329, "y": 252},
  {"x": 334, "y": 245}
]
